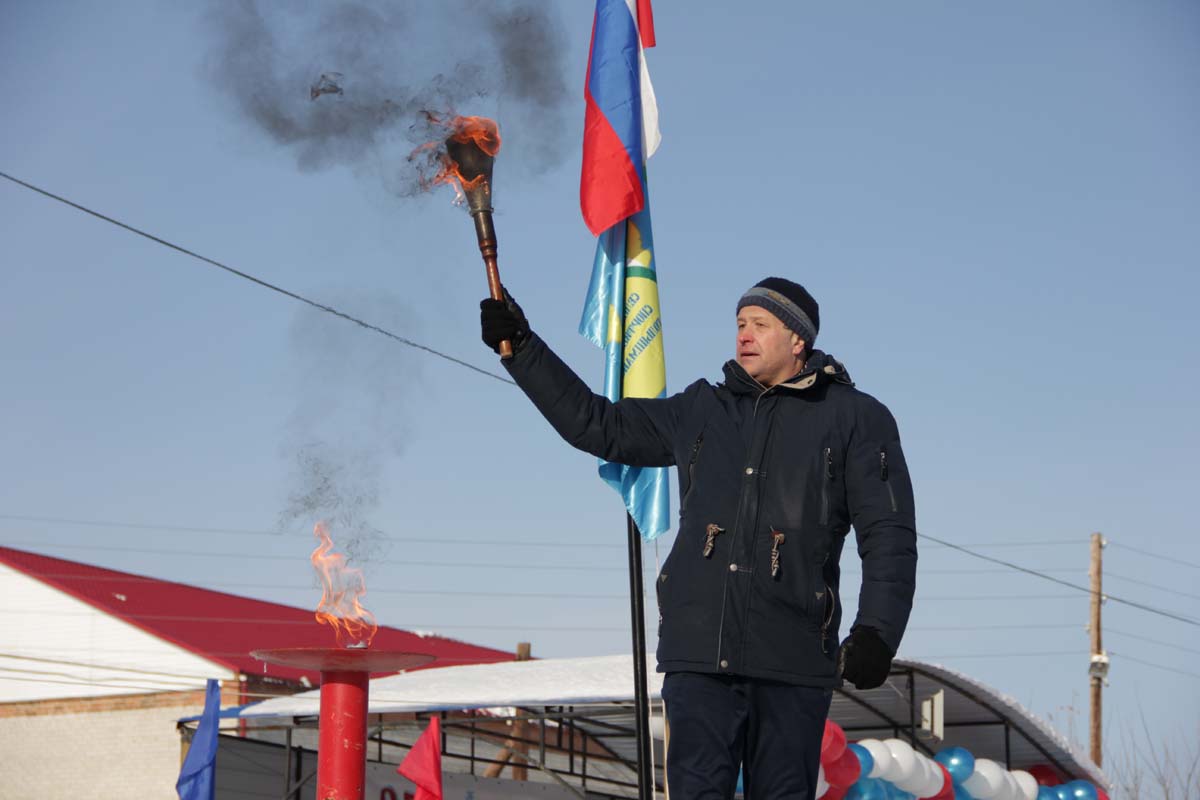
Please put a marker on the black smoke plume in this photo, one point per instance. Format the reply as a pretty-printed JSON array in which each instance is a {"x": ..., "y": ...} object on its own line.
[{"x": 344, "y": 84}]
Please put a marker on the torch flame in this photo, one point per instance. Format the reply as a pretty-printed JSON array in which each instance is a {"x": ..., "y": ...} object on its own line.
[
  {"x": 480, "y": 131},
  {"x": 342, "y": 587}
]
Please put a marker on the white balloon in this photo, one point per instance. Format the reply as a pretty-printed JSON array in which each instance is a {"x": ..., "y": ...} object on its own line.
[
  {"x": 987, "y": 782},
  {"x": 916, "y": 783},
  {"x": 934, "y": 780},
  {"x": 822, "y": 784},
  {"x": 1028, "y": 784},
  {"x": 881, "y": 755},
  {"x": 904, "y": 762},
  {"x": 1012, "y": 789}
]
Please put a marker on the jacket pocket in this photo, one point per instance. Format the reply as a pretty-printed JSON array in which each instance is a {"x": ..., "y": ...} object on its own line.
[
  {"x": 793, "y": 572},
  {"x": 883, "y": 476},
  {"x": 828, "y": 609}
]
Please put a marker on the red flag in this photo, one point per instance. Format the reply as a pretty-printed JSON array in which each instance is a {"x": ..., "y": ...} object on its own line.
[{"x": 423, "y": 764}]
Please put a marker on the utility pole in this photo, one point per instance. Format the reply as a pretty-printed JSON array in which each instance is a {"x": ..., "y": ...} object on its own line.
[{"x": 1098, "y": 667}]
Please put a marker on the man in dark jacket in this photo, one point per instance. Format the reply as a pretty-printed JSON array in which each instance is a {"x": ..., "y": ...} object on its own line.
[{"x": 775, "y": 466}]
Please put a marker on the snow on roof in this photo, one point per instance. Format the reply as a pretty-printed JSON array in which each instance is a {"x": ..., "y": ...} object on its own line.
[
  {"x": 548, "y": 681},
  {"x": 220, "y": 627}
]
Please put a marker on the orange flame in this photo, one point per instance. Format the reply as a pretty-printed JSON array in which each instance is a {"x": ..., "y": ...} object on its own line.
[
  {"x": 342, "y": 587},
  {"x": 483, "y": 132}
]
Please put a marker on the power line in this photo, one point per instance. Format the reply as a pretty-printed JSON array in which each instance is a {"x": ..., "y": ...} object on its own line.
[
  {"x": 308, "y": 622},
  {"x": 1062, "y": 626},
  {"x": 1148, "y": 554},
  {"x": 1006, "y": 597},
  {"x": 994, "y": 655},
  {"x": 284, "y": 534},
  {"x": 1068, "y": 584},
  {"x": 1158, "y": 586},
  {"x": 259, "y": 281},
  {"x": 143, "y": 689},
  {"x": 1039, "y": 543},
  {"x": 1153, "y": 664},
  {"x": 313, "y": 587},
  {"x": 267, "y": 557},
  {"x": 1109, "y": 631}
]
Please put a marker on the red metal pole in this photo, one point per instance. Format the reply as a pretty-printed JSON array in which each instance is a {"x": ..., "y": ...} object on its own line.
[{"x": 341, "y": 750}]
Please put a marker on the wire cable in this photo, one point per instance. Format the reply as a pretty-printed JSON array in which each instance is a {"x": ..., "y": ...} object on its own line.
[
  {"x": 308, "y": 622},
  {"x": 284, "y": 534},
  {"x": 1148, "y": 554},
  {"x": 1123, "y": 601},
  {"x": 313, "y": 587},
  {"x": 1111, "y": 632},
  {"x": 1153, "y": 664},
  {"x": 1158, "y": 586},
  {"x": 267, "y": 557},
  {"x": 259, "y": 281},
  {"x": 993, "y": 655}
]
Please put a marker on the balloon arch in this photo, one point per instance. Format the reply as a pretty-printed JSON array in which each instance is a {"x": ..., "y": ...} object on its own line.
[{"x": 890, "y": 769}]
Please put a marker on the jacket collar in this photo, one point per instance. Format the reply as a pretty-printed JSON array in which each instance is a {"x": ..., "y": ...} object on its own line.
[{"x": 820, "y": 368}]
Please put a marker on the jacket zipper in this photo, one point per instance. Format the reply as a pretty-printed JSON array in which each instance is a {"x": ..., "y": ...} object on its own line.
[
  {"x": 828, "y": 458},
  {"x": 828, "y": 608},
  {"x": 733, "y": 540},
  {"x": 883, "y": 476},
  {"x": 692, "y": 470}
]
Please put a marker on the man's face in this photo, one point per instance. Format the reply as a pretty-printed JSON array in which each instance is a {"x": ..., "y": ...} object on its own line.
[{"x": 766, "y": 348}]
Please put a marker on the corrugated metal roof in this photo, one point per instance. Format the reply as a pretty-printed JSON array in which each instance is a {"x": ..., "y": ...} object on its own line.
[{"x": 222, "y": 627}]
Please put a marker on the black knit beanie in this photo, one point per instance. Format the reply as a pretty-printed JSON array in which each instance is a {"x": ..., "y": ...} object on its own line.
[{"x": 789, "y": 301}]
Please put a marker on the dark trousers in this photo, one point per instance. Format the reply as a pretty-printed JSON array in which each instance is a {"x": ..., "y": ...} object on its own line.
[{"x": 721, "y": 722}]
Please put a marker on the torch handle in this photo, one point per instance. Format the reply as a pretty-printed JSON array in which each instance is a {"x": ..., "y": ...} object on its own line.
[{"x": 486, "y": 232}]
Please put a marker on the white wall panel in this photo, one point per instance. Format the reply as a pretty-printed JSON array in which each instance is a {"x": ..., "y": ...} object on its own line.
[{"x": 53, "y": 645}]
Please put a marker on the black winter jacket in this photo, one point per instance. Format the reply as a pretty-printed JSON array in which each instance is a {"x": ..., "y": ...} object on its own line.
[{"x": 770, "y": 482}]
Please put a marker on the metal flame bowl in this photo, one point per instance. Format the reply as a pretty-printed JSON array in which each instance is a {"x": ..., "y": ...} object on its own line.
[{"x": 342, "y": 659}]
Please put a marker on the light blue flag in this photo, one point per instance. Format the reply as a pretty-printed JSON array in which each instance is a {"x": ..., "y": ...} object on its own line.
[
  {"x": 621, "y": 315},
  {"x": 197, "y": 779}
]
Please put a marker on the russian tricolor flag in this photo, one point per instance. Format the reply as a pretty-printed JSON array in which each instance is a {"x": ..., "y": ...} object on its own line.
[
  {"x": 620, "y": 129},
  {"x": 621, "y": 314}
]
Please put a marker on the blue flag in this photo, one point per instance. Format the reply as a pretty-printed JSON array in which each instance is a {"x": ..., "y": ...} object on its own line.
[
  {"x": 621, "y": 315},
  {"x": 197, "y": 779}
]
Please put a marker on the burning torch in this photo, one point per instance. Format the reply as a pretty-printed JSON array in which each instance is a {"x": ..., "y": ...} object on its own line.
[{"x": 470, "y": 153}]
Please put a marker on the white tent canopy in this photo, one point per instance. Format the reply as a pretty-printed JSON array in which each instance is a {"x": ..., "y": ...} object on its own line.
[{"x": 977, "y": 717}]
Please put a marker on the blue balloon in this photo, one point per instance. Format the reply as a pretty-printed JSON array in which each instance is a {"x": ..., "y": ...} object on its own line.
[
  {"x": 868, "y": 789},
  {"x": 1082, "y": 790},
  {"x": 865, "y": 759},
  {"x": 896, "y": 793},
  {"x": 1047, "y": 793},
  {"x": 958, "y": 761},
  {"x": 961, "y": 794},
  {"x": 1063, "y": 792}
]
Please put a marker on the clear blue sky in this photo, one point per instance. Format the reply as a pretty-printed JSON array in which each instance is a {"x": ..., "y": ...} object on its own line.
[{"x": 995, "y": 205}]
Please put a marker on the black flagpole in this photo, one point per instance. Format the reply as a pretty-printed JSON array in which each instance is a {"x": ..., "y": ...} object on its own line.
[{"x": 641, "y": 693}]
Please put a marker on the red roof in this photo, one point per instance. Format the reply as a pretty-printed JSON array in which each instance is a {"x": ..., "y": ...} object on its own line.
[{"x": 222, "y": 627}]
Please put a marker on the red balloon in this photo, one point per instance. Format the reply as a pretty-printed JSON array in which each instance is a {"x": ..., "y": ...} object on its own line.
[
  {"x": 835, "y": 793},
  {"x": 947, "y": 790},
  {"x": 844, "y": 771},
  {"x": 1045, "y": 775},
  {"x": 833, "y": 742},
  {"x": 1101, "y": 794}
]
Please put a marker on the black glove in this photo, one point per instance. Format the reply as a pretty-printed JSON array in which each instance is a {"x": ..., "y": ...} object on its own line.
[
  {"x": 865, "y": 659},
  {"x": 503, "y": 319}
]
